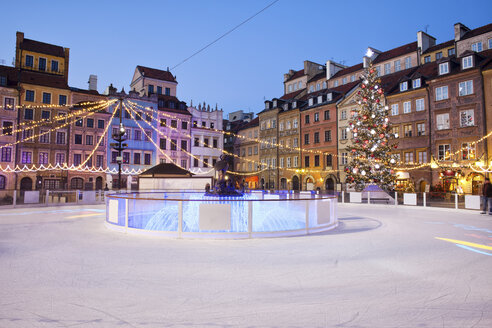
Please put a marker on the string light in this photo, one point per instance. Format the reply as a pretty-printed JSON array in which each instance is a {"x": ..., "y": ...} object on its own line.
[{"x": 10, "y": 107}]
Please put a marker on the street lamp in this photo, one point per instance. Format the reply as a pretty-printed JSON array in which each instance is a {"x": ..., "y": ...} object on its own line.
[{"x": 119, "y": 145}]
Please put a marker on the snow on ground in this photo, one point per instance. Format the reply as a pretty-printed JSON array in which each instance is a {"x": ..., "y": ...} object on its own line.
[{"x": 382, "y": 267}]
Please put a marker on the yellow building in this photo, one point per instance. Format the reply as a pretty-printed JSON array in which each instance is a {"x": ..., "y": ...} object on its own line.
[{"x": 247, "y": 148}]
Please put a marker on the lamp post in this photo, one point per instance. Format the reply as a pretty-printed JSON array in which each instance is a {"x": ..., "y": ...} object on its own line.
[{"x": 119, "y": 146}]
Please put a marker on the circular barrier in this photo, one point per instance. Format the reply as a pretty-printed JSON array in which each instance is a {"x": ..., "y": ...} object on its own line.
[{"x": 195, "y": 215}]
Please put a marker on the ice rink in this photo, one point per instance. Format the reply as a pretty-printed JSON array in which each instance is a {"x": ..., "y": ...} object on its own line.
[{"x": 384, "y": 266}]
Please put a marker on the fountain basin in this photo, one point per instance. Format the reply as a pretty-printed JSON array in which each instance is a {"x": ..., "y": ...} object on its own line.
[{"x": 195, "y": 215}]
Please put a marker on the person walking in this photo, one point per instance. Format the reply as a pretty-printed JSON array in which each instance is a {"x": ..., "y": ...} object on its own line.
[{"x": 487, "y": 197}]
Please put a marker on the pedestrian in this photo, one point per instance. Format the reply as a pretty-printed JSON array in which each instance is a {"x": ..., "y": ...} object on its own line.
[{"x": 487, "y": 197}]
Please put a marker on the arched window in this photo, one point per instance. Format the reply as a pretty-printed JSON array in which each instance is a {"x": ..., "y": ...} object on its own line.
[
  {"x": 2, "y": 182},
  {"x": 77, "y": 183}
]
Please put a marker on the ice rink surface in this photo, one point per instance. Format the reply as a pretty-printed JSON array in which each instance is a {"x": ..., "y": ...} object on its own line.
[{"x": 382, "y": 267}]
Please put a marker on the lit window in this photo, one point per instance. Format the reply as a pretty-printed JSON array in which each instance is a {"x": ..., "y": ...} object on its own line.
[
  {"x": 468, "y": 151},
  {"x": 467, "y": 118},
  {"x": 409, "y": 157},
  {"x": 442, "y": 121},
  {"x": 443, "y": 152},
  {"x": 466, "y": 88}
]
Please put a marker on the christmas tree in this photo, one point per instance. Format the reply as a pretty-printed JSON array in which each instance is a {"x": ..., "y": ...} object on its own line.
[{"x": 371, "y": 158}]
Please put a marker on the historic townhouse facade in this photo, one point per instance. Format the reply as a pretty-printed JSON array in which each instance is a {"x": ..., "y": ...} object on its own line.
[
  {"x": 247, "y": 148},
  {"x": 43, "y": 71},
  {"x": 8, "y": 120},
  {"x": 85, "y": 134},
  {"x": 268, "y": 118},
  {"x": 458, "y": 119},
  {"x": 207, "y": 138}
]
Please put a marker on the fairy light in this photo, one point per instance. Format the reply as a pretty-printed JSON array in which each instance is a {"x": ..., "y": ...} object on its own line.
[
  {"x": 10, "y": 107},
  {"x": 65, "y": 167}
]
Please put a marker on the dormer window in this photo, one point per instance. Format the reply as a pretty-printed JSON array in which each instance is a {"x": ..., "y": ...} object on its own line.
[
  {"x": 443, "y": 68},
  {"x": 329, "y": 97},
  {"x": 416, "y": 83},
  {"x": 467, "y": 62},
  {"x": 267, "y": 105},
  {"x": 320, "y": 99},
  {"x": 294, "y": 104},
  {"x": 3, "y": 80},
  {"x": 311, "y": 101},
  {"x": 274, "y": 104},
  {"x": 311, "y": 88},
  {"x": 404, "y": 86},
  {"x": 335, "y": 84}
]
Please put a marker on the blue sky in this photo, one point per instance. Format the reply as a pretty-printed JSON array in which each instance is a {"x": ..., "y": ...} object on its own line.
[{"x": 109, "y": 38}]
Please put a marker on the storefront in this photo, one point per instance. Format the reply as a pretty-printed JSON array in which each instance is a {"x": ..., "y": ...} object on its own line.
[{"x": 252, "y": 182}]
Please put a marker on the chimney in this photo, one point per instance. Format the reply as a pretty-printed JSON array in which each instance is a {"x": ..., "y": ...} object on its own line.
[
  {"x": 459, "y": 31},
  {"x": 93, "y": 82},
  {"x": 425, "y": 41},
  {"x": 67, "y": 58},
  {"x": 19, "y": 40},
  {"x": 332, "y": 68}
]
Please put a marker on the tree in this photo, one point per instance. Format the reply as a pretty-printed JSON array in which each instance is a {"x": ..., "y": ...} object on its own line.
[{"x": 371, "y": 158}]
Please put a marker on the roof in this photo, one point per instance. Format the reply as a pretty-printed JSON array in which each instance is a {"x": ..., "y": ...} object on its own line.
[
  {"x": 296, "y": 75},
  {"x": 318, "y": 76},
  {"x": 291, "y": 95},
  {"x": 165, "y": 169},
  {"x": 345, "y": 88},
  {"x": 396, "y": 52},
  {"x": 439, "y": 46},
  {"x": 44, "y": 79},
  {"x": 42, "y": 47},
  {"x": 348, "y": 70},
  {"x": 11, "y": 74},
  {"x": 89, "y": 92},
  {"x": 251, "y": 124},
  {"x": 157, "y": 74},
  {"x": 477, "y": 31}
]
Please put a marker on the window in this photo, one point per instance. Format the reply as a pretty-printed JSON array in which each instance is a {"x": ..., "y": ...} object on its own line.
[
  {"x": 422, "y": 156},
  {"x": 45, "y": 115},
  {"x": 114, "y": 155},
  {"x": 343, "y": 115},
  {"x": 443, "y": 68},
  {"x": 467, "y": 62},
  {"x": 9, "y": 103},
  {"x": 442, "y": 93},
  {"x": 29, "y": 95},
  {"x": 344, "y": 80},
  {"x": 420, "y": 129},
  {"x": 137, "y": 135},
  {"x": 195, "y": 162},
  {"x": 438, "y": 55},
  {"x": 442, "y": 121},
  {"x": 62, "y": 100},
  {"x": 60, "y": 138},
  {"x": 343, "y": 134},
  {"x": 88, "y": 161},
  {"x": 316, "y": 137},
  {"x": 184, "y": 125},
  {"x": 90, "y": 122},
  {"x": 327, "y": 115},
  {"x": 468, "y": 151},
  {"x": 352, "y": 78},
  {"x": 294, "y": 123},
  {"x": 44, "y": 136},
  {"x": 328, "y": 135},
  {"x": 43, "y": 158},
  {"x": 29, "y": 61},
  {"x": 404, "y": 86},
  {"x": 174, "y": 124},
  {"x": 7, "y": 128},
  {"x": 443, "y": 152},
  {"x": 316, "y": 160},
  {"x": 344, "y": 159},
  {"x": 163, "y": 122},
  {"x": 329, "y": 160},
  {"x": 394, "y": 109},
  {"x": 78, "y": 139},
  {"x": 46, "y": 98},
  {"x": 335, "y": 84},
  {"x": 162, "y": 143},
  {"x": 184, "y": 145},
  {"x": 395, "y": 130},
  {"x": 99, "y": 160},
  {"x": 407, "y": 107},
  {"x": 387, "y": 68},
  {"x": 316, "y": 117},
  {"x": 205, "y": 162},
  {"x": 136, "y": 158},
  {"x": 295, "y": 143},
  {"x": 250, "y": 151},
  {"x": 306, "y": 161},
  {"x": 427, "y": 59},
  {"x": 204, "y": 124},
  {"x": 79, "y": 122},
  {"x": 138, "y": 116},
  {"x": 148, "y": 118},
  {"x": 466, "y": 88},
  {"x": 416, "y": 83},
  {"x": 378, "y": 70},
  {"x": 306, "y": 139},
  {"x": 126, "y": 157},
  {"x": 296, "y": 161},
  {"x": 2, "y": 182},
  {"x": 274, "y": 124},
  {"x": 451, "y": 52},
  {"x": 27, "y": 135},
  {"x": 281, "y": 126},
  {"x": 281, "y": 162},
  {"x": 54, "y": 65},
  {"x": 409, "y": 157},
  {"x": 6, "y": 154},
  {"x": 151, "y": 89},
  {"x": 168, "y": 91},
  {"x": 42, "y": 64},
  {"x": 419, "y": 105},
  {"x": 184, "y": 163},
  {"x": 318, "y": 86},
  {"x": 89, "y": 140},
  {"x": 147, "y": 159},
  {"x": 26, "y": 157},
  {"x": 407, "y": 129},
  {"x": 127, "y": 114},
  {"x": 173, "y": 144},
  {"x": 205, "y": 142},
  {"x": 77, "y": 159},
  {"x": 467, "y": 118},
  {"x": 477, "y": 46},
  {"x": 408, "y": 62},
  {"x": 397, "y": 65}
]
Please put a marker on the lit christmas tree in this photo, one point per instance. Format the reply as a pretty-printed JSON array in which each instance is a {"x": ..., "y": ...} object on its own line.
[{"x": 372, "y": 160}]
